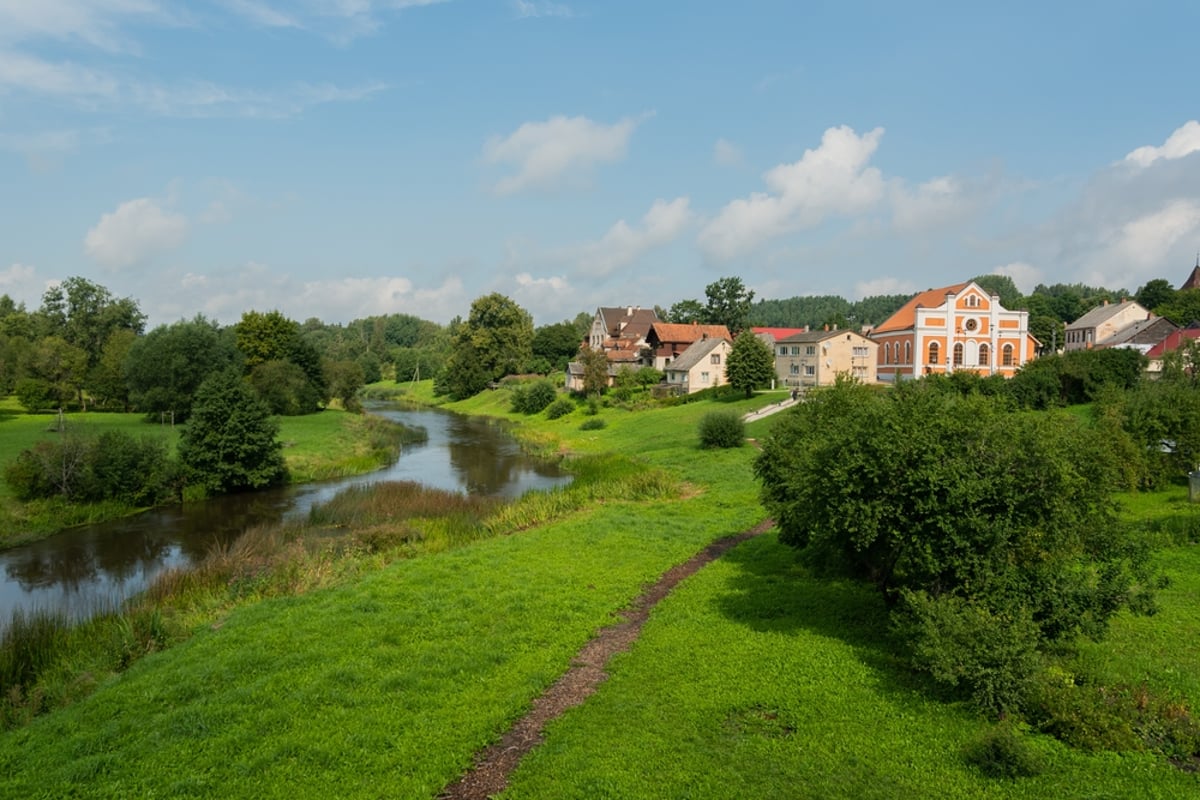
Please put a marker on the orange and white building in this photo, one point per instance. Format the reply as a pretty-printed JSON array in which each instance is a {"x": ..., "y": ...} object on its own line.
[{"x": 960, "y": 327}]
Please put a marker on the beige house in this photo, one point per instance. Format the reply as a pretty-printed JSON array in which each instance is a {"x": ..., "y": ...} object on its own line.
[
  {"x": 816, "y": 358},
  {"x": 1102, "y": 323},
  {"x": 700, "y": 366}
]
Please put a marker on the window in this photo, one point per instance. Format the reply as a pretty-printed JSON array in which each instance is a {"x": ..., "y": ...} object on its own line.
[
  {"x": 1007, "y": 355},
  {"x": 860, "y": 352},
  {"x": 811, "y": 350},
  {"x": 810, "y": 370},
  {"x": 983, "y": 355},
  {"x": 973, "y": 301},
  {"x": 715, "y": 358},
  {"x": 887, "y": 353},
  {"x": 782, "y": 350},
  {"x": 958, "y": 354},
  {"x": 908, "y": 352},
  {"x": 795, "y": 369},
  {"x": 971, "y": 325},
  {"x": 704, "y": 377},
  {"x": 933, "y": 352},
  {"x": 795, "y": 349}
]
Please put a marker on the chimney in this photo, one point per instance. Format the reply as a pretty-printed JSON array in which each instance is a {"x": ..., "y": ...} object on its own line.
[
  {"x": 806, "y": 329},
  {"x": 826, "y": 326},
  {"x": 835, "y": 326},
  {"x": 1106, "y": 301}
]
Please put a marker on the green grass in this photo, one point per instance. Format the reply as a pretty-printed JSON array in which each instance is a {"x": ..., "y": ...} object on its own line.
[{"x": 752, "y": 680}]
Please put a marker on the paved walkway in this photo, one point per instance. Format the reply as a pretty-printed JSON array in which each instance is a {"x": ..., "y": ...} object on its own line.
[{"x": 774, "y": 408}]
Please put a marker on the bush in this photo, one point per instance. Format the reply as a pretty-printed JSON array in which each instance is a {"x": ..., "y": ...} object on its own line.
[
  {"x": 559, "y": 408},
  {"x": 722, "y": 429},
  {"x": 593, "y": 424},
  {"x": 531, "y": 398},
  {"x": 1004, "y": 753}
]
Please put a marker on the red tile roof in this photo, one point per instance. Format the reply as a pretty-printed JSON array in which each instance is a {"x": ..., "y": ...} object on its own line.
[
  {"x": 1173, "y": 342},
  {"x": 777, "y": 333},
  {"x": 906, "y": 318},
  {"x": 677, "y": 332}
]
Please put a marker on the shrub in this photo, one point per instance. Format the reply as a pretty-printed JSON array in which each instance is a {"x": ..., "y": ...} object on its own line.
[
  {"x": 722, "y": 429},
  {"x": 593, "y": 424},
  {"x": 530, "y": 398},
  {"x": 559, "y": 408},
  {"x": 1004, "y": 753}
]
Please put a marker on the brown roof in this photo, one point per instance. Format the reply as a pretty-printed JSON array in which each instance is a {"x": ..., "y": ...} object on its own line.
[
  {"x": 679, "y": 332},
  {"x": 906, "y": 318},
  {"x": 1193, "y": 280},
  {"x": 627, "y": 321}
]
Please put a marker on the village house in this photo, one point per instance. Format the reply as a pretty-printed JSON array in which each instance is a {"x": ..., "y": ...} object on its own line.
[
  {"x": 700, "y": 366},
  {"x": 666, "y": 341},
  {"x": 1180, "y": 339},
  {"x": 953, "y": 328},
  {"x": 816, "y": 358},
  {"x": 1098, "y": 327},
  {"x": 621, "y": 328}
]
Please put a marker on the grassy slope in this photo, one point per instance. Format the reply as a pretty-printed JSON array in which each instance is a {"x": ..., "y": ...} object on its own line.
[{"x": 752, "y": 680}]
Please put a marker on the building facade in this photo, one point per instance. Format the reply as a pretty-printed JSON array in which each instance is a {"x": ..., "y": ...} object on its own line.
[{"x": 816, "y": 358}]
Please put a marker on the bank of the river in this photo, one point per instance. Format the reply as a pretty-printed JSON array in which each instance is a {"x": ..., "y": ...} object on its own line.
[
  {"x": 751, "y": 680},
  {"x": 332, "y": 443}
]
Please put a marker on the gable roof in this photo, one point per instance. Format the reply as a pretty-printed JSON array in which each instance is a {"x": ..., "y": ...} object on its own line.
[
  {"x": 1193, "y": 280},
  {"x": 627, "y": 321},
  {"x": 775, "y": 333},
  {"x": 695, "y": 354},
  {"x": 681, "y": 332},
  {"x": 1102, "y": 313},
  {"x": 1173, "y": 342},
  {"x": 805, "y": 337},
  {"x": 905, "y": 317},
  {"x": 1143, "y": 332}
]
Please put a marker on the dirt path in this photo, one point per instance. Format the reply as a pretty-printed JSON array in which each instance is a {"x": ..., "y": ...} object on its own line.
[{"x": 493, "y": 765}]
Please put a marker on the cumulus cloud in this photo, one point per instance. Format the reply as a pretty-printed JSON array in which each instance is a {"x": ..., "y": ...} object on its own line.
[
  {"x": 1025, "y": 276},
  {"x": 727, "y": 154},
  {"x": 20, "y": 282},
  {"x": 558, "y": 151},
  {"x": 932, "y": 203},
  {"x": 831, "y": 179},
  {"x": 887, "y": 285},
  {"x": 1146, "y": 241},
  {"x": 135, "y": 232},
  {"x": 623, "y": 243},
  {"x": 1185, "y": 140}
]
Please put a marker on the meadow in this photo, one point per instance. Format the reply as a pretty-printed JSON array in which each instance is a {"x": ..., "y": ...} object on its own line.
[{"x": 382, "y": 673}]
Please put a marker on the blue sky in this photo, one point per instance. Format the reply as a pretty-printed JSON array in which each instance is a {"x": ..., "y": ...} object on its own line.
[{"x": 345, "y": 158}]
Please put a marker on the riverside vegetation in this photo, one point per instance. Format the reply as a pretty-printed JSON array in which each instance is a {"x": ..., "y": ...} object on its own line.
[{"x": 374, "y": 649}]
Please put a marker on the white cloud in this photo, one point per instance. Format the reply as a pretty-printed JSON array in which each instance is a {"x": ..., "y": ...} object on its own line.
[
  {"x": 1145, "y": 242},
  {"x": 526, "y": 9},
  {"x": 932, "y": 203},
  {"x": 832, "y": 179},
  {"x": 624, "y": 244},
  {"x": 1025, "y": 276},
  {"x": 727, "y": 154},
  {"x": 557, "y": 151},
  {"x": 136, "y": 231},
  {"x": 888, "y": 285},
  {"x": 27, "y": 73},
  {"x": 20, "y": 282},
  {"x": 206, "y": 100},
  {"x": 1183, "y": 141},
  {"x": 94, "y": 22},
  {"x": 261, "y": 14}
]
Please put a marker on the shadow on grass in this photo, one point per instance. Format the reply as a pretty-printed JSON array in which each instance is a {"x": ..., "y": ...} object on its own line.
[{"x": 775, "y": 592}]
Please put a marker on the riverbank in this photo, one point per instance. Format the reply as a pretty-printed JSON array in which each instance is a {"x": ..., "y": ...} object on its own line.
[
  {"x": 752, "y": 679},
  {"x": 332, "y": 443}
]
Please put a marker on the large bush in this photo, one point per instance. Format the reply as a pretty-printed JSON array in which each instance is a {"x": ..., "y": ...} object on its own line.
[
  {"x": 530, "y": 398},
  {"x": 722, "y": 429},
  {"x": 84, "y": 469},
  {"x": 965, "y": 516}
]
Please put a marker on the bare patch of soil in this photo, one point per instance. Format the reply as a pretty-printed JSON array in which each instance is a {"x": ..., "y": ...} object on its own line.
[{"x": 493, "y": 765}]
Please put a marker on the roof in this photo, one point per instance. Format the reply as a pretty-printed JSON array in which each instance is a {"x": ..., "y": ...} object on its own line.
[
  {"x": 1193, "y": 280},
  {"x": 1142, "y": 332},
  {"x": 805, "y": 337},
  {"x": 695, "y": 354},
  {"x": 1103, "y": 313},
  {"x": 906, "y": 317},
  {"x": 1173, "y": 342},
  {"x": 626, "y": 321},
  {"x": 681, "y": 332},
  {"x": 776, "y": 333}
]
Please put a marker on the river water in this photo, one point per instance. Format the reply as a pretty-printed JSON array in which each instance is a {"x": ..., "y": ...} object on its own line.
[{"x": 84, "y": 569}]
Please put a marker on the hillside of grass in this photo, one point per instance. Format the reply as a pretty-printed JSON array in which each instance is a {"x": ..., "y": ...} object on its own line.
[{"x": 753, "y": 679}]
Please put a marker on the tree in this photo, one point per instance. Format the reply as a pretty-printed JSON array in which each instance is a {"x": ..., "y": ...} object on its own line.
[
  {"x": 496, "y": 340},
  {"x": 230, "y": 442},
  {"x": 165, "y": 367},
  {"x": 60, "y": 365},
  {"x": 345, "y": 378},
  {"x": 728, "y": 303},
  {"x": 1183, "y": 308},
  {"x": 557, "y": 343},
  {"x": 685, "y": 312},
  {"x": 751, "y": 364},
  {"x": 1003, "y": 287},
  {"x": 962, "y": 514},
  {"x": 595, "y": 370},
  {"x": 107, "y": 379},
  {"x": 1155, "y": 293}
]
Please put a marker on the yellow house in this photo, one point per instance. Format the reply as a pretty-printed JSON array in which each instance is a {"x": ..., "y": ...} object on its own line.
[
  {"x": 816, "y": 358},
  {"x": 953, "y": 328}
]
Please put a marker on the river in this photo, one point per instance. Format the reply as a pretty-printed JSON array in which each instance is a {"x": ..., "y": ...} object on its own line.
[{"x": 92, "y": 567}]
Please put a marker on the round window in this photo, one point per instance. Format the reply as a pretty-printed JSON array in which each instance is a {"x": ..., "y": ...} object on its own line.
[{"x": 972, "y": 324}]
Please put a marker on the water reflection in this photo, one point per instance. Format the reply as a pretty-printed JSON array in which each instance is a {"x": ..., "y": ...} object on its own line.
[{"x": 96, "y": 566}]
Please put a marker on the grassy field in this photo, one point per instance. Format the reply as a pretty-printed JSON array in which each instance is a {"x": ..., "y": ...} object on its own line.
[
  {"x": 330, "y": 444},
  {"x": 752, "y": 680}
]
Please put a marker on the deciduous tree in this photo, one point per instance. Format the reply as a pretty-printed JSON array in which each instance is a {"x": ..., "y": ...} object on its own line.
[{"x": 751, "y": 364}]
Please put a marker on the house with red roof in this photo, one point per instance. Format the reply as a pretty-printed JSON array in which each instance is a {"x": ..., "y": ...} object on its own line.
[
  {"x": 1181, "y": 339},
  {"x": 666, "y": 341},
  {"x": 959, "y": 327}
]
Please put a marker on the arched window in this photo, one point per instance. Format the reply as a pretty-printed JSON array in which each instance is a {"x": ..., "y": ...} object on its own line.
[
  {"x": 1007, "y": 355},
  {"x": 958, "y": 354},
  {"x": 908, "y": 352},
  {"x": 933, "y": 352},
  {"x": 887, "y": 352},
  {"x": 984, "y": 352}
]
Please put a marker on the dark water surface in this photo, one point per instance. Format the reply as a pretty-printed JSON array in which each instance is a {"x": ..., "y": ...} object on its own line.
[{"x": 88, "y": 568}]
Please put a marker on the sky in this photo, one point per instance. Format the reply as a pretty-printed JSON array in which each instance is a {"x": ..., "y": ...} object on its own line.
[{"x": 340, "y": 159}]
